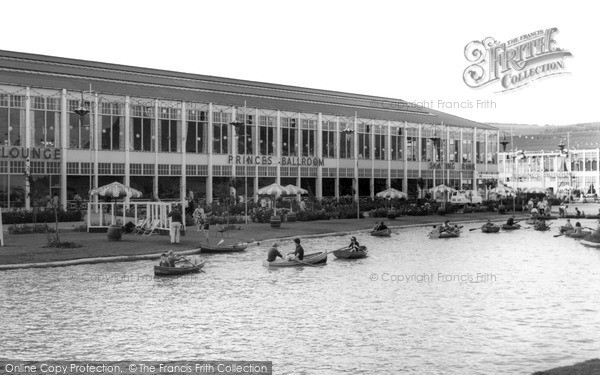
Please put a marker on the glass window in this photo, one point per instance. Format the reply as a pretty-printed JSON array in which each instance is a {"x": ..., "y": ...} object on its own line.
[
  {"x": 112, "y": 123},
  {"x": 346, "y": 141},
  {"x": 328, "y": 139},
  {"x": 12, "y": 120},
  {"x": 221, "y": 125},
  {"x": 380, "y": 136},
  {"x": 397, "y": 143},
  {"x": 170, "y": 137},
  {"x": 197, "y": 128},
  {"x": 266, "y": 135},
  {"x": 142, "y": 124},
  {"x": 364, "y": 141},
  {"x": 289, "y": 134},
  {"x": 308, "y": 137},
  {"x": 46, "y": 122},
  {"x": 244, "y": 134}
]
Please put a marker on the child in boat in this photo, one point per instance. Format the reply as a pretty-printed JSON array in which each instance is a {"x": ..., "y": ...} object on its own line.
[
  {"x": 299, "y": 253},
  {"x": 172, "y": 258},
  {"x": 163, "y": 261},
  {"x": 488, "y": 224},
  {"x": 568, "y": 226},
  {"x": 511, "y": 220},
  {"x": 354, "y": 245},
  {"x": 578, "y": 229}
]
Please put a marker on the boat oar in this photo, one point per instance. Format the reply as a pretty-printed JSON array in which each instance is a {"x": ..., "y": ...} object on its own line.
[
  {"x": 558, "y": 235},
  {"x": 472, "y": 229},
  {"x": 193, "y": 265}
]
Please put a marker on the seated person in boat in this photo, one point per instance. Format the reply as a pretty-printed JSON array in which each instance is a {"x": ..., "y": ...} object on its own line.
[
  {"x": 273, "y": 253},
  {"x": 172, "y": 258},
  {"x": 354, "y": 245},
  {"x": 446, "y": 227},
  {"x": 489, "y": 224},
  {"x": 534, "y": 212},
  {"x": 299, "y": 253},
  {"x": 568, "y": 226},
  {"x": 163, "y": 261},
  {"x": 577, "y": 212},
  {"x": 511, "y": 220},
  {"x": 578, "y": 229}
]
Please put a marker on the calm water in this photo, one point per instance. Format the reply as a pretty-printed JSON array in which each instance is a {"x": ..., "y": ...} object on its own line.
[{"x": 535, "y": 306}]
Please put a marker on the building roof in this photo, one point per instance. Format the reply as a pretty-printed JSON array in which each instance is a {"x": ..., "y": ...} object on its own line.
[
  {"x": 42, "y": 71},
  {"x": 550, "y": 141}
]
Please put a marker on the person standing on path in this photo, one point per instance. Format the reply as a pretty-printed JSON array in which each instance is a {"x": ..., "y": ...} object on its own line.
[{"x": 176, "y": 224}]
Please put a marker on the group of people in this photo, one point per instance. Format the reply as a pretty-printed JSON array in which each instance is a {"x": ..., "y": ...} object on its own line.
[
  {"x": 297, "y": 255},
  {"x": 447, "y": 227},
  {"x": 169, "y": 260}
]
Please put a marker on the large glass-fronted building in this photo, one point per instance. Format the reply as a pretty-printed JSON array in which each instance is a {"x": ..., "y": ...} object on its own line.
[{"x": 167, "y": 133}]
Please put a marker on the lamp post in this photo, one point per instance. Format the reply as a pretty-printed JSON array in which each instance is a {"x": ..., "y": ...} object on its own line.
[
  {"x": 349, "y": 131},
  {"x": 82, "y": 111},
  {"x": 242, "y": 124}
]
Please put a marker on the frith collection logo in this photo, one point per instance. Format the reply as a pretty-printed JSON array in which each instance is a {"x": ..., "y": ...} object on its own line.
[{"x": 515, "y": 63}]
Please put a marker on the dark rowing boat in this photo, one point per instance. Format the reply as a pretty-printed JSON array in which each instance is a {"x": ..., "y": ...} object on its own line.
[
  {"x": 309, "y": 260},
  {"x": 178, "y": 270},
  {"x": 381, "y": 233},
  {"x": 490, "y": 229},
  {"x": 346, "y": 253},
  {"x": 511, "y": 227},
  {"x": 206, "y": 248}
]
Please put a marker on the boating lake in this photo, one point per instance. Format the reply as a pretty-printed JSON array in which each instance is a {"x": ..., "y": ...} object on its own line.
[{"x": 511, "y": 302}]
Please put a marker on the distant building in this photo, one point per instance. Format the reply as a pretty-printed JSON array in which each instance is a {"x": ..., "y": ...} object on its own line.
[{"x": 558, "y": 162}]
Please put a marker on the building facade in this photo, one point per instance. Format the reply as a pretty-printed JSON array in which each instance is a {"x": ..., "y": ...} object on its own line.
[
  {"x": 70, "y": 125},
  {"x": 557, "y": 162}
]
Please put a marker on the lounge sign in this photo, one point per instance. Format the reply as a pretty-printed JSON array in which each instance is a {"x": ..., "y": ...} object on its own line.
[
  {"x": 23, "y": 153},
  {"x": 270, "y": 160}
]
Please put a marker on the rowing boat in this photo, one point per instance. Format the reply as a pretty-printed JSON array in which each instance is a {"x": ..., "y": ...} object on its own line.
[
  {"x": 583, "y": 234},
  {"x": 511, "y": 227},
  {"x": 206, "y": 248},
  {"x": 382, "y": 233},
  {"x": 309, "y": 260},
  {"x": 178, "y": 270},
  {"x": 590, "y": 243},
  {"x": 349, "y": 254},
  {"x": 490, "y": 229},
  {"x": 446, "y": 234}
]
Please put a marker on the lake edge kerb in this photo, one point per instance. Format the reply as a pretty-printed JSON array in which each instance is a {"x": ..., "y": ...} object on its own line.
[{"x": 154, "y": 256}]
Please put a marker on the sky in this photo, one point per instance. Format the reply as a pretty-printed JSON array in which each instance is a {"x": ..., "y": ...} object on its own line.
[{"x": 413, "y": 51}]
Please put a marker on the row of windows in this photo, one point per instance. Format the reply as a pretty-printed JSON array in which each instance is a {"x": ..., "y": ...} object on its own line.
[{"x": 298, "y": 137}]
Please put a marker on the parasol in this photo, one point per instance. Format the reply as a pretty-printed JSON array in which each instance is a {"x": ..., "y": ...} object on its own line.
[
  {"x": 391, "y": 193},
  {"x": 275, "y": 190},
  {"x": 535, "y": 190},
  {"x": 116, "y": 190}
]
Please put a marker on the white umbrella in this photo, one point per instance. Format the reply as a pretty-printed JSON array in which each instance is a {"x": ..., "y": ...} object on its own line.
[
  {"x": 442, "y": 189},
  {"x": 503, "y": 190},
  {"x": 535, "y": 190},
  {"x": 116, "y": 190},
  {"x": 273, "y": 189},
  {"x": 295, "y": 190},
  {"x": 391, "y": 193}
]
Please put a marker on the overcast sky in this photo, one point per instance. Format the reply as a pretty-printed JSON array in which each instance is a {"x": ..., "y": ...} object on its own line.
[{"x": 413, "y": 51}]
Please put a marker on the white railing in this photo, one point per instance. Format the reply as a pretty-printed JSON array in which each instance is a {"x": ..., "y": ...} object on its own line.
[{"x": 104, "y": 214}]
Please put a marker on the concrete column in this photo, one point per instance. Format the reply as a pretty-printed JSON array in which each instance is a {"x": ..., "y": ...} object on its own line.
[
  {"x": 277, "y": 149},
  {"x": 338, "y": 144},
  {"x": 64, "y": 137},
  {"x": 28, "y": 131},
  {"x": 405, "y": 158},
  {"x": 319, "y": 153},
  {"x": 155, "y": 140},
  {"x": 209, "y": 179},
  {"x": 183, "y": 191}
]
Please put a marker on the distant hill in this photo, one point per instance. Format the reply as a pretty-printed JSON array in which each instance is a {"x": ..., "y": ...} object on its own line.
[{"x": 531, "y": 129}]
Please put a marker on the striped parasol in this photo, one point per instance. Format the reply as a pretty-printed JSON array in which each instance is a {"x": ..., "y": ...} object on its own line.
[
  {"x": 391, "y": 193},
  {"x": 275, "y": 190},
  {"x": 116, "y": 190},
  {"x": 503, "y": 190},
  {"x": 535, "y": 190}
]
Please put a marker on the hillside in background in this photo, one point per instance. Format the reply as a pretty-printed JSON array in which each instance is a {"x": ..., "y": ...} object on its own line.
[{"x": 530, "y": 129}]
